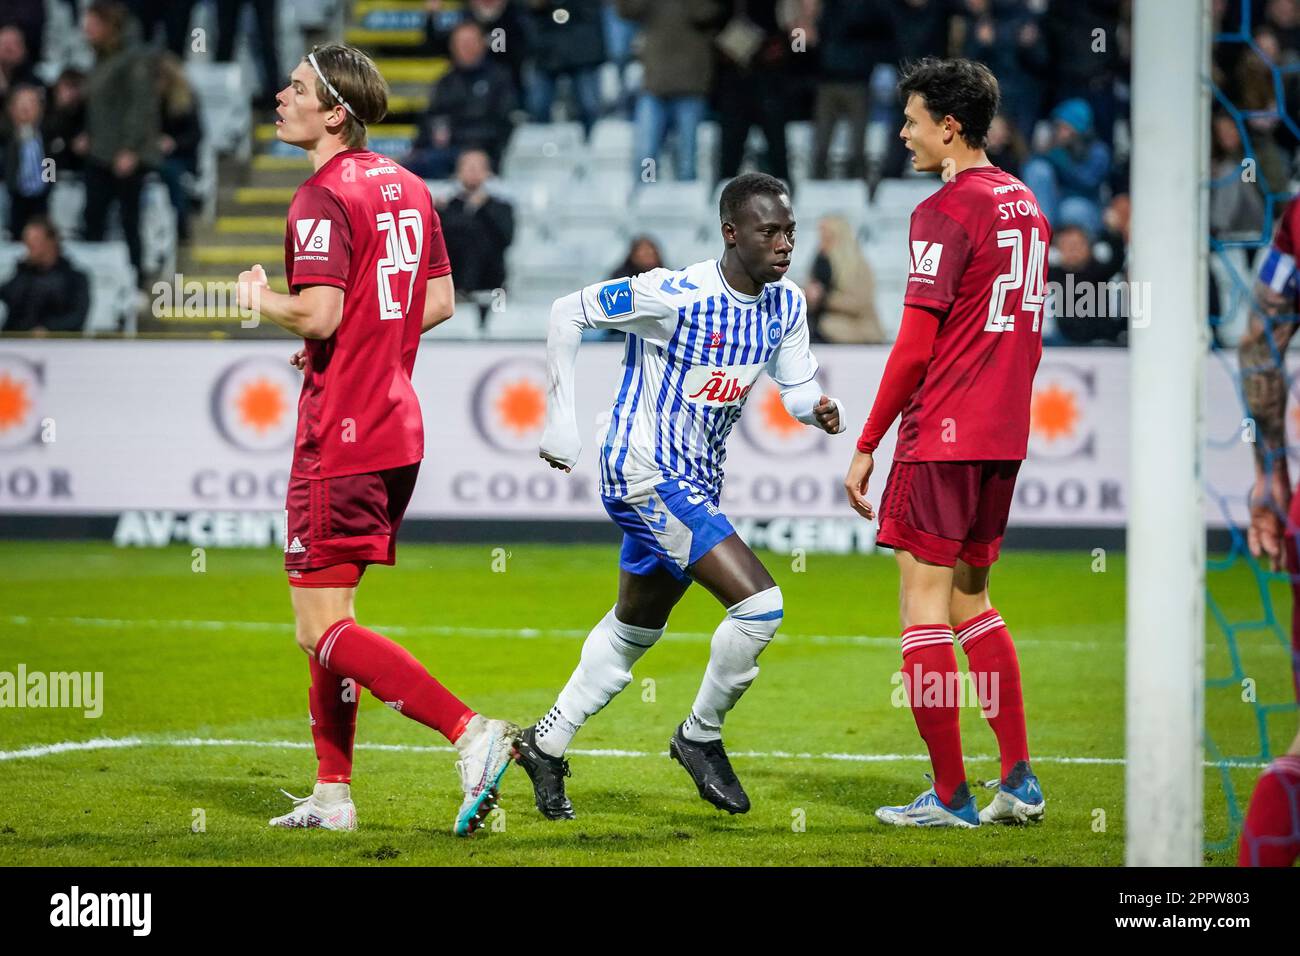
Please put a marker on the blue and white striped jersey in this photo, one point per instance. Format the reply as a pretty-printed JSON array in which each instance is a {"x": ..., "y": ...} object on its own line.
[{"x": 695, "y": 347}]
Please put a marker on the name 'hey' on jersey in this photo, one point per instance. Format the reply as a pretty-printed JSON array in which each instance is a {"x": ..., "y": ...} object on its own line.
[
  {"x": 695, "y": 346},
  {"x": 979, "y": 254},
  {"x": 366, "y": 225}
]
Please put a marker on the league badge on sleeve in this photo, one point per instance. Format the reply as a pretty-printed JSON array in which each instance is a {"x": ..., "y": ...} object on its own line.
[{"x": 616, "y": 298}]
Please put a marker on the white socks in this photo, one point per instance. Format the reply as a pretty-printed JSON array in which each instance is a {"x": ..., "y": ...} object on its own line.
[
  {"x": 605, "y": 668},
  {"x": 733, "y": 662},
  {"x": 477, "y": 724},
  {"x": 331, "y": 794}
]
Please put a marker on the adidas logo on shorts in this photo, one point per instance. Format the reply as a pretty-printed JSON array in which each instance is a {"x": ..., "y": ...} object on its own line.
[{"x": 295, "y": 546}]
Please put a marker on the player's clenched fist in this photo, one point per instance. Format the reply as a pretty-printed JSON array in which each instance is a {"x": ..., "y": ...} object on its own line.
[
  {"x": 249, "y": 288},
  {"x": 829, "y": 419},
  {"x": 855, "y": 484}
]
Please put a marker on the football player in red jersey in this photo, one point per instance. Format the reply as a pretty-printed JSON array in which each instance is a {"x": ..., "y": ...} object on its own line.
[
  {"x": 367, "y": 273},
  {"x": 1270, "y": 833},
  {"x": 961, "y": 374}
]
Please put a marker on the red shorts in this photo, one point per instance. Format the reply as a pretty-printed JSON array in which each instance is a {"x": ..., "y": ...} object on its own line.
[
  {"x": 942, "y": 511},
  {"x": 348, "y": 520}
]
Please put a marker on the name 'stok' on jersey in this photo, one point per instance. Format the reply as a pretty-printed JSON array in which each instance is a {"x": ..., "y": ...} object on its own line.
[
  {"x": 694, "y": 349},
  {"x": 978, "y": 252},
  {"x": 367, "y": 226}
]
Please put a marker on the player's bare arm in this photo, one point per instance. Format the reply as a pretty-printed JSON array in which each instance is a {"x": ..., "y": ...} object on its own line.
[
  {"x": 439, "y": 302},
  {"x": 856, "y": 481},
  {"x": 313, "y": 313},
  {"x": 1265, "y": 389}
]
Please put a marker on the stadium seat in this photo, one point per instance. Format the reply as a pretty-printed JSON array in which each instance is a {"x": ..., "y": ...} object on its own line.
[
  {"x": 112, "y": 285},
  {"x": 611, "y": 145},
  {"x": 536, "y": 149},
  {"x": 544, "y": 273},
  {"x": 815, "y": 198},
  {"x": 669, "y": 205},
  {"x": 223, "y": 106}
]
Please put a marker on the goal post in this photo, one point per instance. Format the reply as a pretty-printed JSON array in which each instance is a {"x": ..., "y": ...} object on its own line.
[{"x": 1165, "y": 638}]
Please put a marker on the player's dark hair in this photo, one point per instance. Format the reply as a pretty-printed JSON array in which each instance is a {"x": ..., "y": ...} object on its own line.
[
  {"x": 963, "y": 89},
  {"x": 743, "y": 188},
  {"x": 358, "y": 82}
]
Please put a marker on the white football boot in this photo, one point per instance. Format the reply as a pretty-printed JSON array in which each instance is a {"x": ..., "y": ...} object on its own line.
[
  {"x": 485, "y": 755},
  {"x": 928, "y": 810},
  {"x": 310, "y": 813},
  {"x": 1019, "y": 798}
]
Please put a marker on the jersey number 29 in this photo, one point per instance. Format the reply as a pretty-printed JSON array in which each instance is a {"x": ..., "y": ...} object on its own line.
[
  {"x": 404, "y": 237},
  {"x": 1024, "y": 275}
]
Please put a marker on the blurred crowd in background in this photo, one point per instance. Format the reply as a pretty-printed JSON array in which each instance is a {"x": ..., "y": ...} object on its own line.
[{"x": 114, "y": 108}]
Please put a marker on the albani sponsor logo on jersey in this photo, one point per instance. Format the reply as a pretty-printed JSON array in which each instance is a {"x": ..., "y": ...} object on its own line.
[{"x": 719, "y": 387}]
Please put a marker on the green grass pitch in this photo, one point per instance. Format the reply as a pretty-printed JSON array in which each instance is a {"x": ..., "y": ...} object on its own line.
[{"x": 817, "y": 742}]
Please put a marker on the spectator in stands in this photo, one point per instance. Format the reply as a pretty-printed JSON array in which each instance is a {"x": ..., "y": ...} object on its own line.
[
  {"x": 1005, "y": 36},
  {"x": 508, "y": 47},
  {"x": 29, "y": 17},
  {"x": 121, "y": 124},
  {"x": 753, "y": 71},
  {"x": 470, "y": 109},
  {"x": 1006, "y": 147},
  {"x": 172, "y": 16},
  {"x": 1085, "y": 303},
  {"x": 478, "y": 228},
  {"x": 642, "y": 256},
  {"x": 677, "y": 60},
  {"x": 178, "y": 142},
  {"x": 1236, "y": 202},
  {"x": 65, "y": 122},
  {"x": 1085, "y": 64},
  {"x": 1067, "y": 179},
  {"x": 620, "y": 35},
  {"x": 265, "y": 37},
  {"x": 921, "y": 28},
  {"x": 852, "y": 37},
  {"x": 15, "y": 62},
  {"x": 568, "y": 40},
  {"x": 841, "y": 291},
  {"x": 27, "y": 176},
  {"x": 1256, "y": 95},
  {"x": 47, "y": 293}
]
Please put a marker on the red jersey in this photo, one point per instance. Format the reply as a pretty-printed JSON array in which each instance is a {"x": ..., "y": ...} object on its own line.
[
  {"x": 367, "y": 226},
  {"x": 979, "y": 254}
]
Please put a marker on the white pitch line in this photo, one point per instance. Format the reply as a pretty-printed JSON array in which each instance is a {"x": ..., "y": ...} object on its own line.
[
  {"x": 119, "y": 743},
  {"x": 447, "y": 630}
]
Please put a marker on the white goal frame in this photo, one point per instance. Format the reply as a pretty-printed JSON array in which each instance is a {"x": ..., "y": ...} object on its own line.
[{"x": 1165, "y": 640}]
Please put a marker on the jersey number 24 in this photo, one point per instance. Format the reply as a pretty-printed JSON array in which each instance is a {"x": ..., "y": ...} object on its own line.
[{"x": 1027, "y": 276}]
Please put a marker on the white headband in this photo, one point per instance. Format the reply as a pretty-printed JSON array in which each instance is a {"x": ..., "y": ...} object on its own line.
[{"x": 311, "y": 58}]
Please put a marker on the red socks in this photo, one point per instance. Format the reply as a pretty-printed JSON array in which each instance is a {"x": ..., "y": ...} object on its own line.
[
  {"x": 1271, "y": 834},
  {"x": 991, "y": 655},
  {"x": 392, "y": 674},
  {"x": 930, "y": 676},
  {"x": 333, "y": 712}
]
